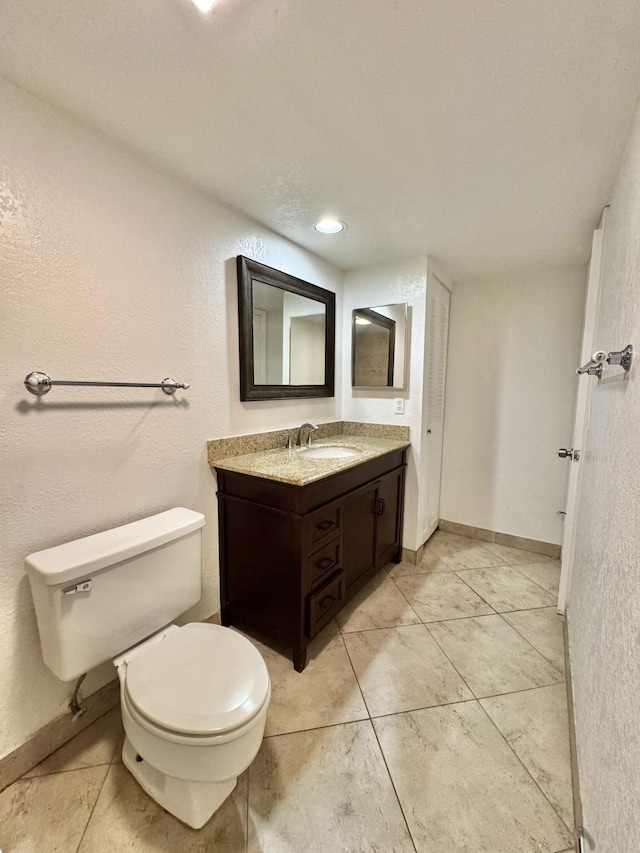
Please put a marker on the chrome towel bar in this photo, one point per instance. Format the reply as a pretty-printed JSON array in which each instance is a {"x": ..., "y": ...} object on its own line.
[{"x": 39, "y": 383}]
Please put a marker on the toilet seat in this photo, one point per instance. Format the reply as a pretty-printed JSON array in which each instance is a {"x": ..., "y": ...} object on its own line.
[{"x": 201, "y": 680}]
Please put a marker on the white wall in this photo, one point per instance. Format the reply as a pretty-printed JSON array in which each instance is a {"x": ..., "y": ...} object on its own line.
[
  {"x": 604, "y": 604},
  {"x": 514, "y": 344},
  {"x": 110, "y": 270},
  {"x": 403, "y": 281}
]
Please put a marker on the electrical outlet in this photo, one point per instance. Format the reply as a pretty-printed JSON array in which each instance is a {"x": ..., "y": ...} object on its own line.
[{"x": 398, "y": 406}]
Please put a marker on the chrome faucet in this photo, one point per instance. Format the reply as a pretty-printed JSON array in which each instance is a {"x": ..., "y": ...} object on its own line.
[{"x": 312, "y": 428}]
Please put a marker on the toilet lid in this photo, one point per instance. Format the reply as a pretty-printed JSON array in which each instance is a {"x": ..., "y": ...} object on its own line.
[{"x": 202, "y": 680}]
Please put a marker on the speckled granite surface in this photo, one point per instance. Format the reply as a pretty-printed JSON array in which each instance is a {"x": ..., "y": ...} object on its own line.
[
  {"x": 289, "y": 466},
  {"x": 392, "y": 431},
  {"x": 240, "y": 445}
]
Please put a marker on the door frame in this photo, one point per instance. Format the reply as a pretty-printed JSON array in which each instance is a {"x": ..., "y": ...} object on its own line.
[{"x": 582, "y": 413}]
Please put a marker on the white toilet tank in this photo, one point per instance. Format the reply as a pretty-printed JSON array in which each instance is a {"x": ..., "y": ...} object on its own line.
[{"x": 98, "y": 596}]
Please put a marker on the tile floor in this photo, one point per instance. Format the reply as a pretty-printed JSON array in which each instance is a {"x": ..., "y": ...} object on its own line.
[{"x": 432, "y": 716}]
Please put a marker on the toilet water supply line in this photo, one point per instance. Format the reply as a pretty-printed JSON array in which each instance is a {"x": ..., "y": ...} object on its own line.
[{"x": 74, "y": 704}]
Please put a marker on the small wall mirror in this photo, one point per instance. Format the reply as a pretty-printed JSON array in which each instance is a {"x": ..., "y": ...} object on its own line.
[
  {"x": 287, "y": 335},
  {"x": 378, "y": 354}
]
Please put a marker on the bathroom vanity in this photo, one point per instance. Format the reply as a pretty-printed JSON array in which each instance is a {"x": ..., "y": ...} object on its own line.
[{"x": 299, "y": 536}]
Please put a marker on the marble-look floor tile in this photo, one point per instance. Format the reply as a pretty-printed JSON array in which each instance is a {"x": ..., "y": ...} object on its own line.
[
  {"x": 324, "y": 790},
  {"x": 536, "y": 725},
  {"x": 96, "y": 745},
  {"x": 442, "y": 539},
  {"x": 48, "y": 813},
  {"x": 492, "y": 657},
  {"x": 126, "y": 818},
  {"x": 429, "y": 563},
  {"x": 515, "y": 556},
  {"x": 441, "y": 596},
  {"x": 325, "y": 693},
  {"x": 379, "y": 605},
  {"x": 461, "y": 552},
  {"x": 400, "y": 669},
  {"x": 117, "y": 755},
  {"x": 473, "y": 558},
  {"x": 506, "y": 589},
  {"x": 462, "y": 788},
  {"x": 547, "y": 575},
  {"x": 543, "y": 629}
]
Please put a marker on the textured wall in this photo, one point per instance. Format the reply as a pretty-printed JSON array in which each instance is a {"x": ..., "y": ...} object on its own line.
[
  {"x": 604, "y": 604},
  {"x": 110, "y": 270},
  {"x": 403, "y": 281},
  {"x": 514, "y": 343}
]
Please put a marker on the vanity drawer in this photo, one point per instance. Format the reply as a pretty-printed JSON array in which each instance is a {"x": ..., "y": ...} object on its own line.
[
  {"x": 325, "y": 522},
  {"x": 324, "y": 562},
  {"x": 323, "y": 604}
]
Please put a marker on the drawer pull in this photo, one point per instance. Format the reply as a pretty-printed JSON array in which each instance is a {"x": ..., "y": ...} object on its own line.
[
  {"x": 380, "y": 505},
  {"x": 325, "y": 563},
  {"x": 327, "y": 602},
  {"x": 324, "y": 525}
]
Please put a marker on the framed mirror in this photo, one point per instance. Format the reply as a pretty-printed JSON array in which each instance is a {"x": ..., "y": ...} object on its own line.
[
  {"x": 287, "y": 335},
  {"x": 378, "y": 347}
]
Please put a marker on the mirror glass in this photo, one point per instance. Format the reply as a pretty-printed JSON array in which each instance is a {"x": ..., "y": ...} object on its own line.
[
  {"x": 287, "y": 335},
  {"x": 379, "y": 346}
]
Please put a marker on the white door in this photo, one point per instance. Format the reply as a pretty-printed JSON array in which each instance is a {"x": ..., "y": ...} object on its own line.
[
  {"x": 437, "y": 329},
  {"x": 581, "y": 421}
]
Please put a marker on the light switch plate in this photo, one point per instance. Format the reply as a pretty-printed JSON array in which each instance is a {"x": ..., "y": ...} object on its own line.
[{"x": 398, "y": 406}]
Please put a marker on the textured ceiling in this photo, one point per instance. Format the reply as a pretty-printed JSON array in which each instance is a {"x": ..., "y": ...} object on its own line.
[{"x": 483, "y": 131}]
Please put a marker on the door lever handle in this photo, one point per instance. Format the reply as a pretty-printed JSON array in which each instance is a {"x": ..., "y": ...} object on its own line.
[
  {"x": 563, "y": 453},
  {"x": 623, "y": 357},
  {"x": 593, "y": 367}
]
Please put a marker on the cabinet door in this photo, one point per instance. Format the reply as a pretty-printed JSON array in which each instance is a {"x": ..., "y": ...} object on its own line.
[
  {"x": 388, "y": 512},
  {"x": 359, "y": 531}
]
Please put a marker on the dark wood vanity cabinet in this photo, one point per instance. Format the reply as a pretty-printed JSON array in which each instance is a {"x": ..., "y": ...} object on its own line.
[{"x": 292, "y": 556}]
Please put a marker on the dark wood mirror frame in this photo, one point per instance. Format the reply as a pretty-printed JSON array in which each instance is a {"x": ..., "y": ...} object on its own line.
[{"x": 250, "y": 271}]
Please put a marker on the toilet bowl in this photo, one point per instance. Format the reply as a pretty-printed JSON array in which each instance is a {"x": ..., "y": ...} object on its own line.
[
  {"x": 194, "y": 705},
  {"x": 194, "y": 699}
]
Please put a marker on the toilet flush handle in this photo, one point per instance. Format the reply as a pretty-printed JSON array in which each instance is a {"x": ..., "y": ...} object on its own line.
[{"x": 84, "y": 586}]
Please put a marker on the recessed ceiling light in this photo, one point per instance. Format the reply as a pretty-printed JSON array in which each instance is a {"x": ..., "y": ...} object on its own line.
[
  {"x": 204, "y": 5},
  {"x": 330, "y": 226}
]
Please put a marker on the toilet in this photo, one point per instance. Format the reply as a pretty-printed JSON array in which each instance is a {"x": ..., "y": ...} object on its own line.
[{"x": 194, "y": 698}]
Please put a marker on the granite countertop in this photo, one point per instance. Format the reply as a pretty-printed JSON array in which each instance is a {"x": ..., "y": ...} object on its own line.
[{"x": 289, "y": 466}]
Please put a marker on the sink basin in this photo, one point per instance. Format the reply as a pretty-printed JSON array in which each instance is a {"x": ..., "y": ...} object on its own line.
[{"x": 329, "y": 452}]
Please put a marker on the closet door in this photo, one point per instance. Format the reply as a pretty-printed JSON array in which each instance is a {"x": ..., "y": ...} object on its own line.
[{"x": 437, "y": 328}]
